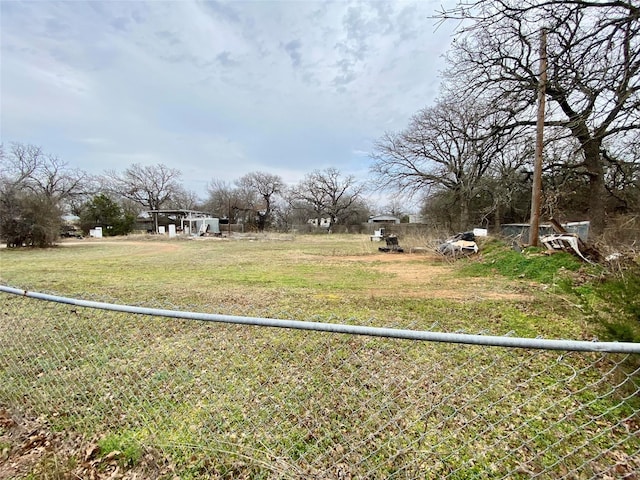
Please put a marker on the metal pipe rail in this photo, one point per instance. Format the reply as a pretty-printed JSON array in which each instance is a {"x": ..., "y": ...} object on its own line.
[{"x": 468, "y": 339}]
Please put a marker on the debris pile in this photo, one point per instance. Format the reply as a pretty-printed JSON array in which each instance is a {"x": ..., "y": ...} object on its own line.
[
  {"x": 459, "y": 244},
  {"x": 568, "y": 242}
]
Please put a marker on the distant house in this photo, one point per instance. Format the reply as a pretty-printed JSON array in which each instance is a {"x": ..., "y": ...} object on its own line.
[
  {"x": 320, "y": 222},
  {"x": 384, "y": 219}
]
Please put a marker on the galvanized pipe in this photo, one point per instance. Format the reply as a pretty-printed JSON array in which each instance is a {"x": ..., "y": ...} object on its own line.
[{"x": 485, "y": 340}]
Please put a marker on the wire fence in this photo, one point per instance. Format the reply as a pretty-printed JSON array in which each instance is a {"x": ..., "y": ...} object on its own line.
[{"x": 115, "y": 394}]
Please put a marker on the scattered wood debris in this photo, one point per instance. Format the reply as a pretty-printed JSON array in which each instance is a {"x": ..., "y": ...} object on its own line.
[{"x": 568, "y": 242}]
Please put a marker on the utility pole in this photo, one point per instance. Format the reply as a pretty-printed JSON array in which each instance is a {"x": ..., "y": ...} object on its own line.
[{"x": 536, "y": 192}]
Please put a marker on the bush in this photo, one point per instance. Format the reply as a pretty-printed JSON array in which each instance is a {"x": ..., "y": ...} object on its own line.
[{"x": 28, "y": 220}]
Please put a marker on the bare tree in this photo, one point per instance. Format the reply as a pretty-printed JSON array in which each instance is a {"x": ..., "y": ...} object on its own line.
[
  {"x": 306, "y": 198},
  {"x": 507, "y": 185},
  {"x": 622, "y": 174},
  {"x": 593, "y": 57},
  {"x": 152, "y": 187},
  {"x": 184, "y": 199},
  {"x": 449, "y": 146},
  {"x": 35, "y": 190},
  {"x": 328, "y": 193},
  {"x": 45, "y": 174},
  {"x": 394, "y": 208},
  {"x": 21, "y": 162},
  {"x": 295, "y": 212},
  {"x": 260, "y": 190},
  {"x": 224, "y": 200}
]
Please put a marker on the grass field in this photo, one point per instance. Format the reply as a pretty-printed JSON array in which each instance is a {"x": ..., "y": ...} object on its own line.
[
  {"x": 303, "y": 277},
  {"x": 161, "y": 398}
]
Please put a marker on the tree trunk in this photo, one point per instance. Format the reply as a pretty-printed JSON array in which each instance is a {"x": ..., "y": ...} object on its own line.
[
  {"x": 262, "y": 222},
  {"x": 597, "y": 191},
  {"x": 464, "y": 214},
  {"x": 497, "y": 219},
  {"x": 595, "y": 173}
]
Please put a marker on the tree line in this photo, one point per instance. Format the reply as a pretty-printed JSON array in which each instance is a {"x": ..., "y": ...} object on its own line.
[
  {"x": 264, "y": 201},
  {"x": 37, "y": 189}
]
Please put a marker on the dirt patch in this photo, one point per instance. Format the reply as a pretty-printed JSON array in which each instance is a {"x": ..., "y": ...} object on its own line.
[
  {"x": 420, "y": 275},
  {"x": 29, "y": 447}
]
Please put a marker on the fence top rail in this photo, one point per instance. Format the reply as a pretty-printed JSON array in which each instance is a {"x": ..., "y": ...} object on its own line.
[{"x": 422, "y": 335}]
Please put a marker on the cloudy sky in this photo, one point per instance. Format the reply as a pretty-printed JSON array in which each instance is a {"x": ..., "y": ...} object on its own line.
[{"x": 216, "y": 89}]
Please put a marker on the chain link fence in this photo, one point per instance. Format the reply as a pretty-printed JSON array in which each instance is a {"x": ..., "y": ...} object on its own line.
[{"x": 175, "y": 398}]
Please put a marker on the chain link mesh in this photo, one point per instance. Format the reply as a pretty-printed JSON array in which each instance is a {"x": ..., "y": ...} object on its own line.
[{"x": 228, "y": 401}]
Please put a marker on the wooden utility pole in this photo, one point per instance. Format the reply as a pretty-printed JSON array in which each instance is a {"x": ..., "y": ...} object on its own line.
[{"x": 536, "y": 193}]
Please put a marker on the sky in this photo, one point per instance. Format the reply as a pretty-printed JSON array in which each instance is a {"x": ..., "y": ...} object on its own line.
[{"x": 216, "y": 89}]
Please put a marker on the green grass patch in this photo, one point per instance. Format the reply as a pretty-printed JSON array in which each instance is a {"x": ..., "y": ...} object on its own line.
[
  {"x": 615, "y": 302},
  {"x": 122, "y": 446},
  {"x": 531, "y": 264}
]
